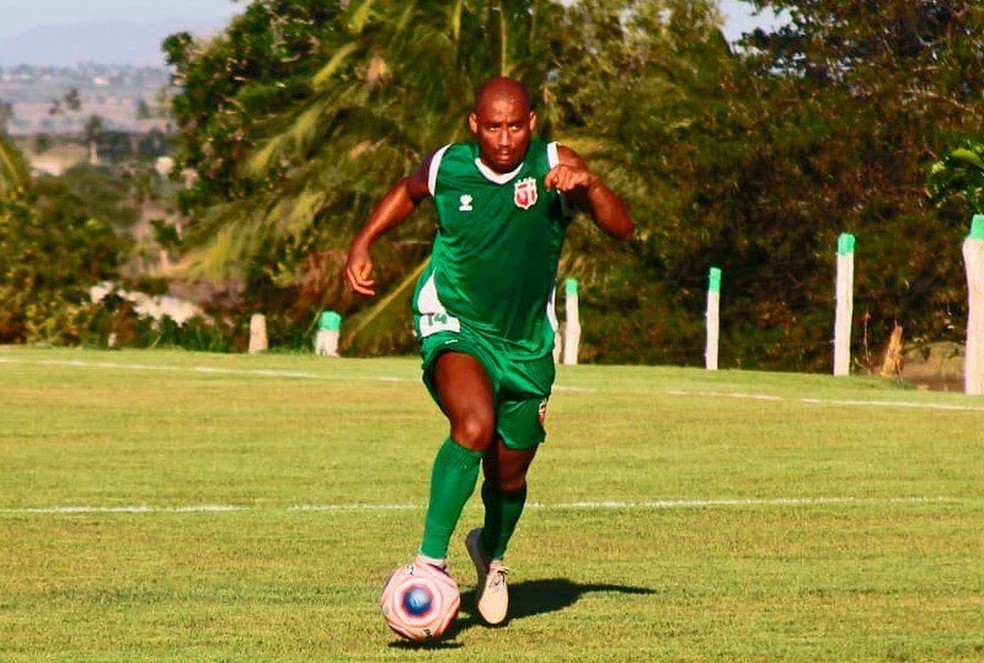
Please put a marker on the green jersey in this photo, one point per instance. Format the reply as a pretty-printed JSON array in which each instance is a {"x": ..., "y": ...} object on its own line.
[{"x": 494, "y": 263}]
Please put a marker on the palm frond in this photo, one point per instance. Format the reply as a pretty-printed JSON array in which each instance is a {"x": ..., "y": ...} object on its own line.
[
  {"x": 968, "y": 157},
  {"x": 14, "y": 173},
  {"x": 959, "y": 175},
  {"x": 370, "y": 332},
  {"x": 359, "y": 16},
  {"x": 305, "y": 128},
  {"x": 334, "y": 64}
]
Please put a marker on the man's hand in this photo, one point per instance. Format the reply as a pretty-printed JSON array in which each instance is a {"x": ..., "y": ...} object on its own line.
[
  {"x": 567, "y": 178},
  {"x": 587, "y": 191},
  {"x": 398, "y": 203},
  {"x": 358, "y": 270}
]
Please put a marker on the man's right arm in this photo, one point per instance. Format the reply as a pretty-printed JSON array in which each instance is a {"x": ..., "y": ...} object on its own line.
[{"x": 398, "y": 204}]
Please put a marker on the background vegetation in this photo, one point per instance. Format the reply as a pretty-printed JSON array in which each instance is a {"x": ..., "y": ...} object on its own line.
[{"x": 850, "y": 117}]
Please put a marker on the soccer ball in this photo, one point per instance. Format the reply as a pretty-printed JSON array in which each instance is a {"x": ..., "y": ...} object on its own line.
[{"x": 419, "y": 602}]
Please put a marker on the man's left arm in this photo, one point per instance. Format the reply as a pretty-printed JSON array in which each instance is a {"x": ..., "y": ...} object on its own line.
[{"x": 572, "y": 177}]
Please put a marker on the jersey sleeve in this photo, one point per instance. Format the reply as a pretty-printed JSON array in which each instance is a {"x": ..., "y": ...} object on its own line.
[{"x": 435, "y": 166}]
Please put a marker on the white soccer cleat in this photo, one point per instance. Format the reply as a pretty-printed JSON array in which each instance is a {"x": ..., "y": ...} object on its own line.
[{"x": 491, "y": 593}]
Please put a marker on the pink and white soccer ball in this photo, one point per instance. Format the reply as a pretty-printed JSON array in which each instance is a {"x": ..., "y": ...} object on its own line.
[{"x": 420, "y": 601}]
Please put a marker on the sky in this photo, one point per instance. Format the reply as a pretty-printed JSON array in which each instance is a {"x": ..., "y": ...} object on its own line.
[
  {"x": 46, "y": 31},
  {"x": 739, "y": 18},
  {"x": 18, "y": 16}
]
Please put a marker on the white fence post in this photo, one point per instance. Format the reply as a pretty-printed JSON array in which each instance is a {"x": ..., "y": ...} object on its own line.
[
  {"x": 572, "y": 325},
  {"x": 713, "y": 318},
  {"x": 844, "y": 305},
  {"x": 973, "y": 253},
  {"x": 326, "y": 342},
  {"x": 257, "y": 333}
]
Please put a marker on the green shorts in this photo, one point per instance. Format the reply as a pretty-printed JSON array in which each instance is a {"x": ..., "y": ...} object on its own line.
[{"x": 521, "y": 388}]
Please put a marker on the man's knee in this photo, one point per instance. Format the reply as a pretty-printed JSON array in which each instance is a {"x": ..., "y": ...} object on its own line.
[
  {"x": 473, "y": 430},
  {"x": 507, "y": 469}
]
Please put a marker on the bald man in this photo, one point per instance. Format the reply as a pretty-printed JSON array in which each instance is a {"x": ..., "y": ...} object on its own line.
[{"x": 483, "y": 311}]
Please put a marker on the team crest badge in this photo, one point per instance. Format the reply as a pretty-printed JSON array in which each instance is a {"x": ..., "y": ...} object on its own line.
[
  {"x": 542, "y": 411},
  {"x": 524, "y": 195}
]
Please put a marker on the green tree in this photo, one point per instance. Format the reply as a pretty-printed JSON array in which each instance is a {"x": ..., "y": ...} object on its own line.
[
  {"x": 958, "y": 178},
  {"x": 143, "y": 110},
  {"x": 91, "y": 133},
  {"x": 42, "y": 142},
  {"x": 72, "y": 99},
  {"x": 58, "y": 236},
  {"x": 55, "y": 242},
  {"x": 856, "y": 100},
  {"x": 648, "y": 96},
  {"x": 93, "y": 192},
  {"x": 261, "y": 64},
  {"x": 14, "y": 174},
  {"x": 6, "y": 115}
]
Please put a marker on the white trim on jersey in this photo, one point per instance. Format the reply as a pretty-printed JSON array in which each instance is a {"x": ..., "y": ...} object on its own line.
[
  {"x": 435, "y": 165},
  {"x": 553, "y": 158},
  {"x": 494, "y": 177},
  {"x": 552, "y": 310},
  {"x": 433, "y": 316}
]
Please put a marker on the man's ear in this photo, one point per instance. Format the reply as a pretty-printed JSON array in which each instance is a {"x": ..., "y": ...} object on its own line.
[
  {"x": 532, "y": 120},
  {"x": 473, "y": 123}
]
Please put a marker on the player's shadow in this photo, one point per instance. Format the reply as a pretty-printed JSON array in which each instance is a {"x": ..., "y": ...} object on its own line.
[
  {"x": 536, "y": 597},
  {"x": 526, "y": 599},
  {"x": 447, "y": 642}
]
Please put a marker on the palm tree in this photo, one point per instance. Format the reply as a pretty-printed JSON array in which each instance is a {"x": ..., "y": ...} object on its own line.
[
  {"x": 960, "y": 175},
  {"x": 90, "y": 136},
  {"x": 397, "y": 83}
]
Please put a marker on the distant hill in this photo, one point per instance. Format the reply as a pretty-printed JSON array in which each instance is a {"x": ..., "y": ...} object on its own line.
[
  {"x": 105, "y": 42},
  {"x": 126, "y": 97}
]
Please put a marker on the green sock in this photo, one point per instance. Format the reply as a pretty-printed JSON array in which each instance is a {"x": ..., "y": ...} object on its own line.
[
  {"x": 453, "y": 481},
  {"x": 502, "y": 512}
]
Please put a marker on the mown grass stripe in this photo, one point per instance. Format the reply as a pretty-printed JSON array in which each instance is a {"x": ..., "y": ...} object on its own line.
[
  {"x": 257, "y": 372},
  {"x": 75, "y": 363}
]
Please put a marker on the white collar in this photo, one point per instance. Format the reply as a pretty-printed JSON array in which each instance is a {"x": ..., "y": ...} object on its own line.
[{"x": 492, "y": 176}]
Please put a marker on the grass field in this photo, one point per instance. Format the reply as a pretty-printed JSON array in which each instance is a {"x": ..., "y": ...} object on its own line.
[{"x": 170, "y": 506}]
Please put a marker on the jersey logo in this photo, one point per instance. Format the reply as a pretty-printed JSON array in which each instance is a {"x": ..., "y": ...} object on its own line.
[
  {"x": 524, "y": 195},
  {"x": 465, "y": 203}
]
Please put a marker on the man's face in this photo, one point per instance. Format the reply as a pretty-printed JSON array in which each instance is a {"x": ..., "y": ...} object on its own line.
[{"x": 503, "y": 124}]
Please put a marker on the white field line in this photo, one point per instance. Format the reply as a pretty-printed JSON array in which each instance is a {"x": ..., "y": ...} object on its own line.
[
  {"x": 907, "y": 404},
  {"x": 75, "y": 363},
  {"x": 828, "y": 401},
  {"x": 606, "y": 505},
  {"x": 69, "y": 510}
]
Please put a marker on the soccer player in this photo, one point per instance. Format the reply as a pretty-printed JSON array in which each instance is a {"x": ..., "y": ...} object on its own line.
[{"x": 483, "y": 311}]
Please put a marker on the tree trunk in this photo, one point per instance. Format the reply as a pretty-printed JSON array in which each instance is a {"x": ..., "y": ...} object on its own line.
[{"x": 892, "y": 363}]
